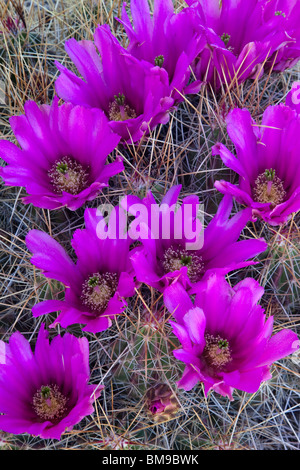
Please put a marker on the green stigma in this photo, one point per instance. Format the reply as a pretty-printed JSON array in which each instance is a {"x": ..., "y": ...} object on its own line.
[
  {"x": 270, "y": 174},
  {"x": 186, "y": 260},
  {"x": 223, "y": 344},
  {"x": 119, "y": 111},
  {"x": 120, "y": 99},
  {"x": 93, "y": 281},
  {"x": 225, "y": 38},
  {"x": 45, "y": 392},
  {"x": 159, "y": 60},
  {"x": 62, "y": 167},
  {"x": 279, "y": 13}
]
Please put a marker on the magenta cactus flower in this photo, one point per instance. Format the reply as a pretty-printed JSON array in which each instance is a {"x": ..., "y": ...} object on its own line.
[
  {"x": 134, "y": 94},
  {"x": 100, "y": 280},
  {"x": 246, "y": 38},
  {"x": 63, "y": 157},
  {"x": 226, "y": 339},
  {"x": 167, "y": 39},
  {"x": 266, "y": 162},
  {"x": 45, "y": 392},
  {"x": 173, "y": 244}
]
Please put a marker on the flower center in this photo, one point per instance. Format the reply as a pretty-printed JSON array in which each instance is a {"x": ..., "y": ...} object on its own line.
[
  {"x": 49, "y": 403},
  {"x": 119, "y": 110},
  {"x": 175, "y": 258},
  {"x": 225, "y": 38},
  {"x": 98, "y": 289},
  {"x": 69, "y": 176},
  {"x": 159, "y": 60},
  {"x": 268, "y": 188},
  {"x": 216, "y": 353}
]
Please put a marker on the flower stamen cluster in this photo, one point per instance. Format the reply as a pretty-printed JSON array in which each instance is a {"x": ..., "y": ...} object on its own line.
[
  {"x": 98, "y": 289},
  {"x": 216, "y": 353},
  {"x": 175, "y": 258},
  {"x": 269, "y": 188},
  {"x": 119, "y": 111},
  {"x": 68, "y": 175},
  {"x": 49, "y": 403}
]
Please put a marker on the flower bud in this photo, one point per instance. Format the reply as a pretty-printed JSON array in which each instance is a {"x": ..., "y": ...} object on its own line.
[{"x": 162, "y": 404}]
